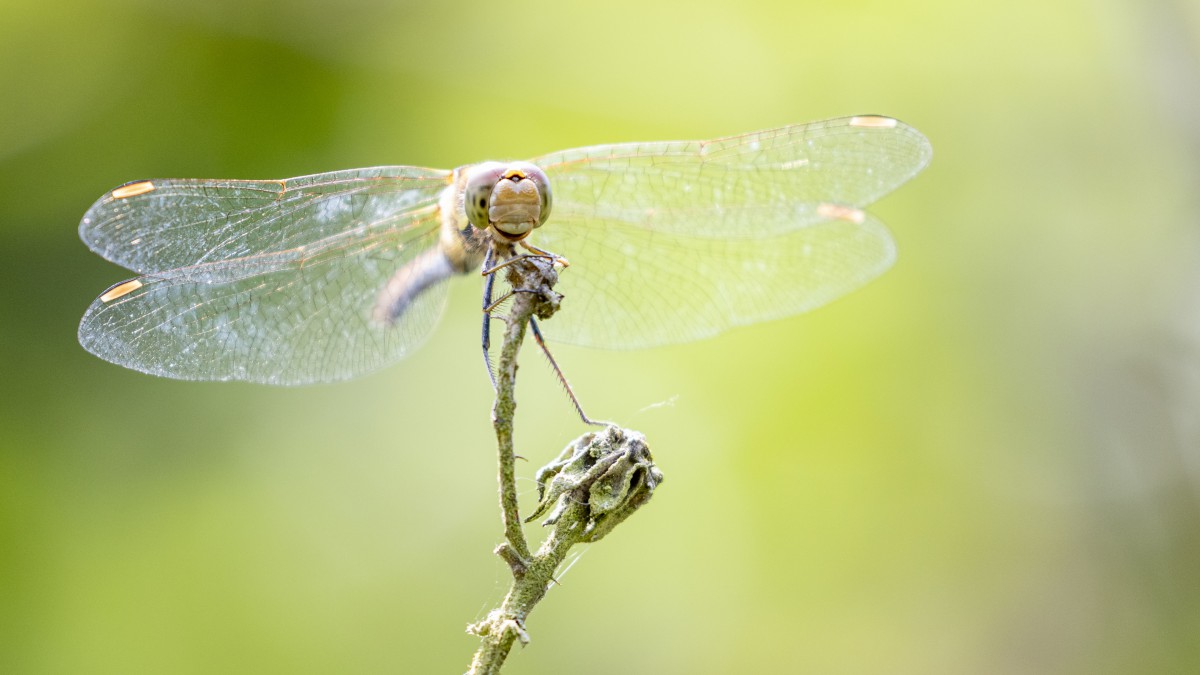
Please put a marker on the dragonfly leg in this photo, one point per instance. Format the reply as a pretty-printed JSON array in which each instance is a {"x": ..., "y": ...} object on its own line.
[
  {"x": 554, "y": 257},
  {"x": 562, "y": 379},
  {"x": 498, "y": 301},
  {"x": 517, "y": 258},
  {"x": 488, "y": 305}
]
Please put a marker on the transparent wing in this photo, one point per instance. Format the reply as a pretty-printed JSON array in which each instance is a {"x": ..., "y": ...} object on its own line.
[
  {"x": 677, "y": 241},
  {"x": 264, "y": 281},
  {"x": 159, "y": 225}
]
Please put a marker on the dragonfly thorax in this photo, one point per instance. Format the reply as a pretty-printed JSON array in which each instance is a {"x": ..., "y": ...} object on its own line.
[{"x": 509, "y": 199}]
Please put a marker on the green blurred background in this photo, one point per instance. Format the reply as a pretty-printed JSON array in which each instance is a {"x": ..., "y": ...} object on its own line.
[{"x": 987, "y": 461}]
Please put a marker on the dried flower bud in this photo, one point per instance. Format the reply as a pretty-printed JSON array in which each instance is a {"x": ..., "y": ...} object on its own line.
[{"x": 610, "y": 472}]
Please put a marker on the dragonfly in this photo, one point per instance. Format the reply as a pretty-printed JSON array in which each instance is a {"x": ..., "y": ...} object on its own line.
[{"x": 331, "y": 276}]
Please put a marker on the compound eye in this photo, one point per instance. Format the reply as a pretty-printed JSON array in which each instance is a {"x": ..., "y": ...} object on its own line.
[
  {"x": 539, "y": 178},
  {"x": 481, "y": 180}
]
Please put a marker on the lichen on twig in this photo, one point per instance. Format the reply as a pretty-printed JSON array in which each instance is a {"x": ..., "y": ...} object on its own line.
[{"x": 595, "y": 483}]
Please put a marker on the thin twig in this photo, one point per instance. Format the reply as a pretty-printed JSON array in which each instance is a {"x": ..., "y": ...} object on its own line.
[
  {"x": 612, "y": 466},
  {"x": 502, "y": 420}
]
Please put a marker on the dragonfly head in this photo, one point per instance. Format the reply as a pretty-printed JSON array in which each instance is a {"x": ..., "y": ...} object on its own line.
[{"x": 510, "y": 198}]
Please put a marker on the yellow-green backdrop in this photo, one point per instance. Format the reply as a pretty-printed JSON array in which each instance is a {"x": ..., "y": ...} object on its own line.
[{"x": 988, "y": 461}]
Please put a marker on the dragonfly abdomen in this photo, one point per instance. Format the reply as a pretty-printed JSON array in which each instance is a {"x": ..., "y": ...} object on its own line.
[
  {"x": 429, "y": 268},
  {"x": 460, "y": 250}
]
